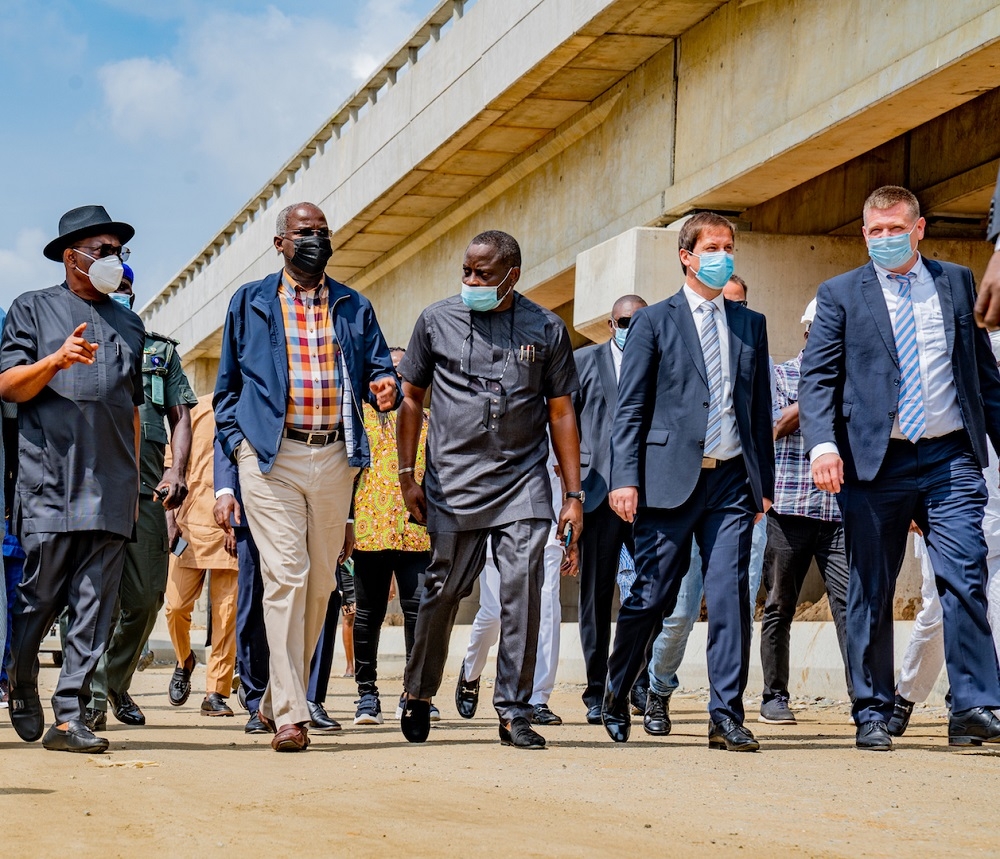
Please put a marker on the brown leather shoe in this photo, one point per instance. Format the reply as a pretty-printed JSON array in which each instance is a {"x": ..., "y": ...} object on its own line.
[{"x": 290, "y": 738}]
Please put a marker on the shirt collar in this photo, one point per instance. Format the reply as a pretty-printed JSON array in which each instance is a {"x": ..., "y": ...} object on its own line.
[
  {"x": 291, "y": 285},
  {"x": 695, "y": 301},
  {"x": 918, "y": 269}
]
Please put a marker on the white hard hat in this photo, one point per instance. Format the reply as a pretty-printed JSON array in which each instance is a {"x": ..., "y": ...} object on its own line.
[{"x": 810, "y": 313}]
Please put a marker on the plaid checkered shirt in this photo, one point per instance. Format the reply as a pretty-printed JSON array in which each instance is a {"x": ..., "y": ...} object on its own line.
[
  {"x": 795, "y": 494},
  {"x": 315, "y": 379}
]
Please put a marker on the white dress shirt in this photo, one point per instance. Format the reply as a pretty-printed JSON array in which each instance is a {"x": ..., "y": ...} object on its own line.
[
  {"x": 937, "y": 379},
  {"x": 729, "y": 443}
]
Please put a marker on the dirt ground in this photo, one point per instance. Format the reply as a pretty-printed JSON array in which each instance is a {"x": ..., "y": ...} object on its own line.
[{"x": 186, "y": 785}]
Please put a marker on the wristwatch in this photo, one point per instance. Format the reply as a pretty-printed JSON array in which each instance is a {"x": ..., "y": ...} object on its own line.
[{"x": 580, "y": 496}]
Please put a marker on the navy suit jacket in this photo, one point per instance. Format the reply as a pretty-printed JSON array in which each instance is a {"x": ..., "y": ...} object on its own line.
[
  {"x": 849, "y": 389},
  {"x": 595, "y": 402},
  {"x": 658, "y": 436},
  {"x": 993, "y": 229}
]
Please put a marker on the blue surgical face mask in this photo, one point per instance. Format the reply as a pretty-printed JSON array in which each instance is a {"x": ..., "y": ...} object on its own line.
[
  {"x": 485, "y": 298},
  {"x": 891, "y": 251},
  {"x": 122, "y": 299},
  {"x": 714, "y": 269},
  {"x": 620, "y": 335}
]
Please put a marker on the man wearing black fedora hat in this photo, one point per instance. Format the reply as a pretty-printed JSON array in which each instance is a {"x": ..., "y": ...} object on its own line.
[{"x": 71, "y": 358}]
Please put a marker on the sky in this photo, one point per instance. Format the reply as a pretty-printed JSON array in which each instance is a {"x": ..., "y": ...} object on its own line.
[{"x": 170, "y": 113}]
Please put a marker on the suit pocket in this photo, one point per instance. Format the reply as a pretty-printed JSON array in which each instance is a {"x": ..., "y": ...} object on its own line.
[{"x": 657, "y": 436}]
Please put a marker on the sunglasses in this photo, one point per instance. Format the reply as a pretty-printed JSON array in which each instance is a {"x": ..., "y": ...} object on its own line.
[
  {"x": 623, "y": 322},
  {"x": 102, "y": 251}
]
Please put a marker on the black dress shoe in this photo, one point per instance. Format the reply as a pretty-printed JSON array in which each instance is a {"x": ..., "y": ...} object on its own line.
[
  {"x": 874, "y": 737},
  {"x": 94, "y": 719},
  {"x": 594, "y": 715},
  {"x": 973, "y": 727},
  {"x": 215, "y": 705},
  {"x": 542, "y": 715},
  {"x": 656, "y": 718},
  {"x": 637, "y": 698},
  {"x": 520, "y": 735},
  {"x": 75, "y": 737},
  {"x": 180, "y": 682},
  {"x": 466, "y": 695},
  {"x": 320, "y": 719},
  {"x": 901, "y": 712},
  {"x": 125, "y": 709},
  {"x": 731, "y": 736},
  {"x": 615, "y": 716},
  {"x": 255, "y": 725},
  {"x": 26, "y": 715},
  {"x": 415, "y": 721}
]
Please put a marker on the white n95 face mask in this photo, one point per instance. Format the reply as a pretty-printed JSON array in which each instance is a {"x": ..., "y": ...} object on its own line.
[{"x": 105, "y": 273}]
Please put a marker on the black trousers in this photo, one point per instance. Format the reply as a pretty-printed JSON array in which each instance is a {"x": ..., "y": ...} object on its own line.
[
  {"x": 792, "y": 543},
  {"x": 604, "y": 533},
  {"x": 373, "y": 572},
  {"x": 457, "y": 559},
  {"x": 78, "y": 570}
]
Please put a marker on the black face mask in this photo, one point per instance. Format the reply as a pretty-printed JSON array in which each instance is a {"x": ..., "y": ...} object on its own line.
[{"x": 312, "y": 253}]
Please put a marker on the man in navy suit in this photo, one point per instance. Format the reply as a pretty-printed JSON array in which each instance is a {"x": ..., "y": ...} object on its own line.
[
  {"x": 899, "y": 389},
  {"x": 604, "y": 533},
  {"x": 692, "y": 457}
]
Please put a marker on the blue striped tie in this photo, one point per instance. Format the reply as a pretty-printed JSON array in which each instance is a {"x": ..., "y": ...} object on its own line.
[
  {"x": 713, "y": 367},
  {"x": 911, "y": 401}
]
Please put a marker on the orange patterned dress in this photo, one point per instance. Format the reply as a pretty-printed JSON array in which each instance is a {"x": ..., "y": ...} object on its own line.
[{"x": 380, "y": 517}]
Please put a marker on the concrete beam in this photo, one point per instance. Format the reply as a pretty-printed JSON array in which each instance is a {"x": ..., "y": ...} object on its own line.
[{"x": 762, "y": 132}]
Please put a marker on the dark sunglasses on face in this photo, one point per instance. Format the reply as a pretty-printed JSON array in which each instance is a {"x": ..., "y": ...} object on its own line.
[
  {"x": 102, "y": 251},
  {"x": 623, "y": 322},
  {"x": 322, "y": 232}
]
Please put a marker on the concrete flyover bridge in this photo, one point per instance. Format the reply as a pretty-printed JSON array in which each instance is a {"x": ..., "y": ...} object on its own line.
[{"x": 587, "y": 127}]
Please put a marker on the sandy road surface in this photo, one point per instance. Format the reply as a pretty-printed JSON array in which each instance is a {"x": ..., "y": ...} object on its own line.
[{"x": 186, "y": 785}]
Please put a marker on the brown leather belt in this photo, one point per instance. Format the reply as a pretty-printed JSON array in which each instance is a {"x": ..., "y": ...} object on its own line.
[
  {"x": 315, "y": 439},
  {"x": 710, "y": 462}
]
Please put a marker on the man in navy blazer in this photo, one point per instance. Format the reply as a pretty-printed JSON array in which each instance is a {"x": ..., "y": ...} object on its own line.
[
  {"x": 899, "y": 390},
  {"x": 604, "y": 533},
  {"x": 692, "y": 457},
  {"x": 299, "y": 352}
]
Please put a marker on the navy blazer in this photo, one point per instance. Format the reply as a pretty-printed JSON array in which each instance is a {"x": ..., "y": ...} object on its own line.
[
  {"x": 993, "y": 227},
  {"x": 251, "y": 391},
  {"x": 849, "y": 389},
  {"x": 595, "y": 403},
  {"x": 658, "y": 437}
]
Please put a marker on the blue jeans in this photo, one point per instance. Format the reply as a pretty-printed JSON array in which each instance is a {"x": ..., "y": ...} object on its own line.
[{"x": 670, "y": 644}]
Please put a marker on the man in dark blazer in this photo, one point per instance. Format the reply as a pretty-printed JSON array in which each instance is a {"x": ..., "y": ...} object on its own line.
[
  {"x": 899, "y": 389},
  {"x": 692, "y": 457},
  {"x": 604, "y": 533}
]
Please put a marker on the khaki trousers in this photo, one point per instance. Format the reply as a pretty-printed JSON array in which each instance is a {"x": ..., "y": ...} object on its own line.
[
  {"x": 297, "y": 513},
  {"x": 184, "y": 586}
]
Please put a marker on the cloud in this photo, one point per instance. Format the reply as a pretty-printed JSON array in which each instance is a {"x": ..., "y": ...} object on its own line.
[
  {"x": 245, "y": 90},
  {"x": 24, "y": 268}
]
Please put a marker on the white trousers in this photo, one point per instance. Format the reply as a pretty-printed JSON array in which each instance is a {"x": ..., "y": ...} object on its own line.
[
  {"x": 486, "y": 626},
  {"x": 924, "y": 656}
]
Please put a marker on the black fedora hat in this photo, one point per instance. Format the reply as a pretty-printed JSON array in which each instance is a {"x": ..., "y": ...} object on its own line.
[{"x": 82, "y": 222}]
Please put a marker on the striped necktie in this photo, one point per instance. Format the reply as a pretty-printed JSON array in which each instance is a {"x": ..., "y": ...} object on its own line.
[
  {"x": 712, "y": 353},
  {"x": 910, "y": 410}
]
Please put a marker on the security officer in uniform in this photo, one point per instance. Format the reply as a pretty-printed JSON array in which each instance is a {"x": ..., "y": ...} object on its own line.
[{"x": 168, "y": 395}]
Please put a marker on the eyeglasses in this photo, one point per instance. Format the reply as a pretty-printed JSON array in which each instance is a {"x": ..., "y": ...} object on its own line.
[
  {"x": 102, "y": 251},
  {"x": 322, "y": 233},
  {"x": 742, "y": 303},
  {"x": 623, "y": 322}
]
